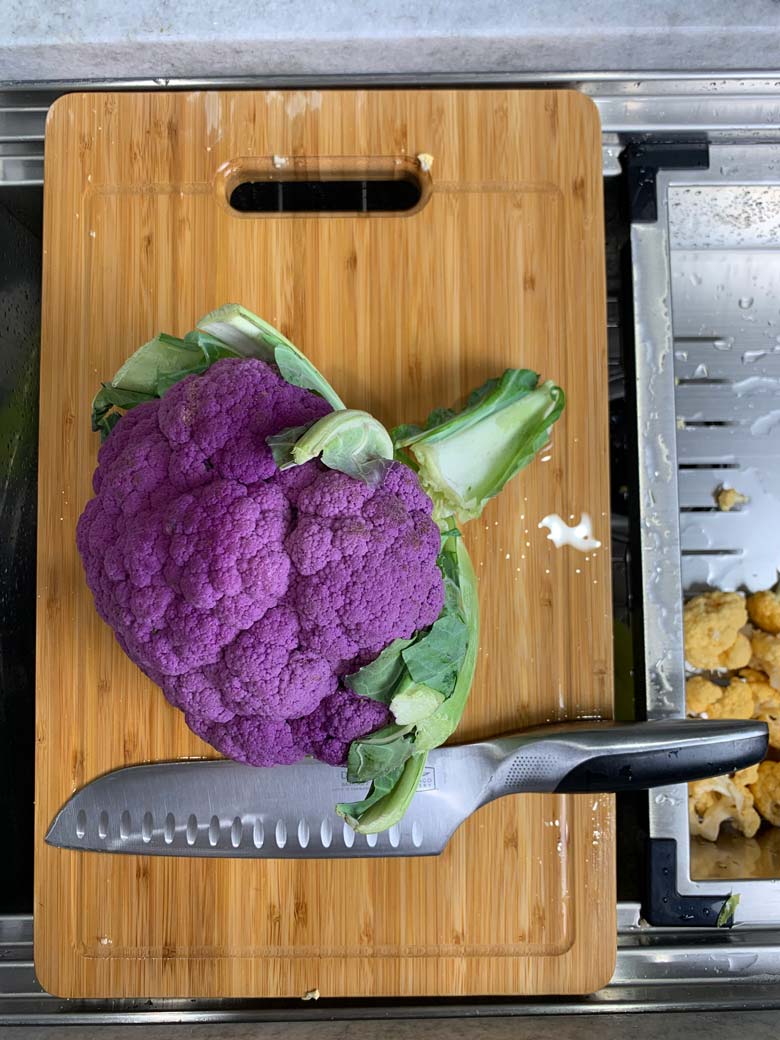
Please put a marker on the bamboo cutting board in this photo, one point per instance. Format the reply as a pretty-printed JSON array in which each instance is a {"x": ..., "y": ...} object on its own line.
[{"x": 500, "y": 265}]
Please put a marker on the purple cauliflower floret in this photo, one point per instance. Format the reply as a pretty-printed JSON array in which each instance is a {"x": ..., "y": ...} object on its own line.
[
  {"x": 247, "y": 593},
  {"x": 342, "y": 717}
]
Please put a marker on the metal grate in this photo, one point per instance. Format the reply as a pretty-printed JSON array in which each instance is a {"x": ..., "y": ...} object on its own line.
[
  {"x": 22, "y": 126},
  {"x": 725, "y": 278}
]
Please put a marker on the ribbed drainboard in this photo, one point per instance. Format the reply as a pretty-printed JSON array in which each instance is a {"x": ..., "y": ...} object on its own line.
[{"x": 725, "y": 268}]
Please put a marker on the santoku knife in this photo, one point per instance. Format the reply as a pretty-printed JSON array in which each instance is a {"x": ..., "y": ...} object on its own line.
[{"x": 223, "y": 808}]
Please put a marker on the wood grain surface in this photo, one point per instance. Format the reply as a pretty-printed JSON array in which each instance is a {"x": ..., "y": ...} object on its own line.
[{"x": 502, "y": 265}]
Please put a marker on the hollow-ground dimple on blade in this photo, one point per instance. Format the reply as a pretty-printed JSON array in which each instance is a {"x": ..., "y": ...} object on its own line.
[{"x": 224, "y": 809}]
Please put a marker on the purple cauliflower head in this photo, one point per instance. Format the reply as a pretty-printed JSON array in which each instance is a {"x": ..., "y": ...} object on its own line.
[{"x": 247, "y": 593}]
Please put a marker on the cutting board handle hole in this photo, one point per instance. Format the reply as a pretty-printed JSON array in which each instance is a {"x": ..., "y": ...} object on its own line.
[{"x": 323, "y": 187}]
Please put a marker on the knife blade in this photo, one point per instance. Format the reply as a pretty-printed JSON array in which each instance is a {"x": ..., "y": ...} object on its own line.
[{"x": 220, "y": 808}]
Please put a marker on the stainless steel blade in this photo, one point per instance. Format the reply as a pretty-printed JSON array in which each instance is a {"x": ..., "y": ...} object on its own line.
[
  {"x": 207, "y": 808},
  {"x": 222, "y": 808}
]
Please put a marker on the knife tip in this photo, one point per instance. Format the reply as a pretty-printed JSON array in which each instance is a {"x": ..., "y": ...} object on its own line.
[{"x": 54, "y": 835}]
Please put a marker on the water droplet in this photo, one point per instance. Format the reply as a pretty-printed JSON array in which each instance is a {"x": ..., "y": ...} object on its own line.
[
  {"x": 723, "y": 344},
  {"x": 751, "y": 356},
  {"x": 745, "y": 302},
  {"x": 766, "y": 424}
]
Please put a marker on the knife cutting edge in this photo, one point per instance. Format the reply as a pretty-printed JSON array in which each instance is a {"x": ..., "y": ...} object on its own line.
[{"x": 225, "y": 809}]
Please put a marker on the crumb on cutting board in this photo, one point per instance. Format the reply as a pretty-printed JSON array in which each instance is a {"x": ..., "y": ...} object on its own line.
[{"x": 311, "y": 994}]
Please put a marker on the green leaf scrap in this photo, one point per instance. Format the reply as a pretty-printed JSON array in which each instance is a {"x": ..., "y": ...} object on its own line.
[
  {"x": 348, "y": 440},
  {"x": 378, "y": 679},
  {"x": 383, "y": 785},
  {"x": 412, "y": 702},
  {"x": 251, "y": 336},
  {"x": 436, "y": 660},
  {"x": 426, "y": 716},
  {"x": 379, "y": 753},
  {"x": 387, "y": 800},
  {"x": 282, "y": 444},
  {"x": 231, "y": 331},
  {"x": 727, "y": 910}
]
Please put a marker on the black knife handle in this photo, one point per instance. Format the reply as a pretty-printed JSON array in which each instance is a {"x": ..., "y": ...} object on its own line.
[{"x": 603, "y": 757}]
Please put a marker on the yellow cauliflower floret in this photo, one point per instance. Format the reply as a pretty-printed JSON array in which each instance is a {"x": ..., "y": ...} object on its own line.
[
  {"x": 738, "y": 655},
  {"x": 758, "y": 684},
  {"x": 712, "y": 630},
  {"x": 706, "y": 698},
  {"x": 766, "y": 656},
  {"x": 700, "y": 695},
  {"x": 766, "y": 792},
  {"x": 746, "y": 776},
  {"x": 764, "y": 611},
  {"x": 771, "y": 716},
  {"x": 767, "y": 702},
  {"x": 723, "y": 799},
  {"x": 768, "y": 709},
  {"x": 727, "y": 498}
]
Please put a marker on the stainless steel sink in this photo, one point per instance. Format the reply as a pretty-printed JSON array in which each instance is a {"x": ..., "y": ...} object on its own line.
[{"x": 658, "y": 968}]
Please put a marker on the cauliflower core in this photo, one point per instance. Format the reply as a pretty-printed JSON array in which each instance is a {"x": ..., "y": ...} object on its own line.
[
  {"x": 712, "y": 624},
  {"x": 247, "y": 593}
]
